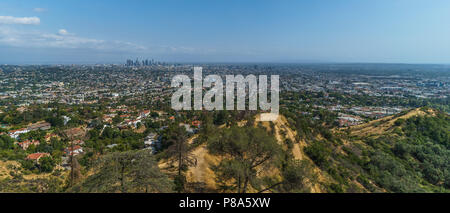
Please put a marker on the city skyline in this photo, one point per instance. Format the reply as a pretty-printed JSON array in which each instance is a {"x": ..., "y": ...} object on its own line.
[{"x": 53, "y": 32}]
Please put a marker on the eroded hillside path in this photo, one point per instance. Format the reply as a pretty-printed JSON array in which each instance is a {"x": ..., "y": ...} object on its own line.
[{"x": 281, "y": 125}]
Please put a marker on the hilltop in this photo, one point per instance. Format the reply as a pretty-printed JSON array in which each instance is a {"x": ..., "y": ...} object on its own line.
[{"x": 370, "y": 157}]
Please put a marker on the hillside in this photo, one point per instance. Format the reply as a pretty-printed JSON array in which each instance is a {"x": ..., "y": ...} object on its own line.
[
  {"x": 406, "y": 152},
  {"x": 384, "y": 125},
  {"x": 384, "y": 155},
  {"x": 15, "y": 179},
  {"x": 282, "y": 132}
]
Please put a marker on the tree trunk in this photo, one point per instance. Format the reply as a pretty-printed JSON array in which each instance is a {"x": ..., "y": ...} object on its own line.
[
  {"x": 179, "y": 159},
  {"x": 122, "y": 179},
  {"x": 245, "y": 184},
  {"x": 270, "y": 187},
  {"x": 239, "y": 184}
]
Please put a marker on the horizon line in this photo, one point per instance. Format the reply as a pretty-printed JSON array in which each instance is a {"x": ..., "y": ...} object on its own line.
[{"x": 219, "y": 62}]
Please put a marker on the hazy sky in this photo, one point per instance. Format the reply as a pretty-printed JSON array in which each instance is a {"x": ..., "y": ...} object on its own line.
[{"x": 101, "y": 31}]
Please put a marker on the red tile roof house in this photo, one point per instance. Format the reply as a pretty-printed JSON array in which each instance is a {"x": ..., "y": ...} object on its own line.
[
  {"x": 125, "y": 115},
  {"x": 27, "y": 143},
  {"x": 196, "y": 123},
  {"x": 37, "y": 156},
  {"x": 144, "y": 113},
  {"x": 108, "y": 118}
]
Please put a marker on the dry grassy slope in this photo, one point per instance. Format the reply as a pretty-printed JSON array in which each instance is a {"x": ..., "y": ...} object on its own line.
[
  {"x": 201, "y": 173},
  {"x": 5, "y": 171},
  {"x": 377, "y": 128},
  {"x": 284, "y": 131},
  {"x": 373, "y": 128},
  {"x": 384, "y": 125}
]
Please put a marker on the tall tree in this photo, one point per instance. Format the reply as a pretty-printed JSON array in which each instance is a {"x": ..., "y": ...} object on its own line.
[
  {"x": 245, "y": 152},
  {"x": 129, "y": 171},
  {"x": 297, "y": 176},
  {"x": 178, "y": 152},
  {"x": 207, "y": 128}
]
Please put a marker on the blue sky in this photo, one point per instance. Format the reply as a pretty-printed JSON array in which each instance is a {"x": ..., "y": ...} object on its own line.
[{"x": 104, "y": 31}]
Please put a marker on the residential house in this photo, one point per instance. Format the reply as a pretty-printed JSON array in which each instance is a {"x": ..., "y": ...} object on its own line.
[
  {"x": 196, "y": 123},
  {"x": 25, "y": 144},
  {"x": 37, "y": 156},
  {"x": 144, "y": 114},
  {"x": 150, "y": 140},
  {"x": 75, "y": 150},
  {"x": 66, "y": 119},
  {"x": 15, "y": 133},
  {"x": 39, "y": 126}
]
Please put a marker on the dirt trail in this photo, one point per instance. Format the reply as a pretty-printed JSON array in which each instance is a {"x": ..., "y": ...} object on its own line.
[
  {"x": 281, "y": 126},
  {"x": 164, "y": 164},
  {"x": 201, "y": 173}
]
